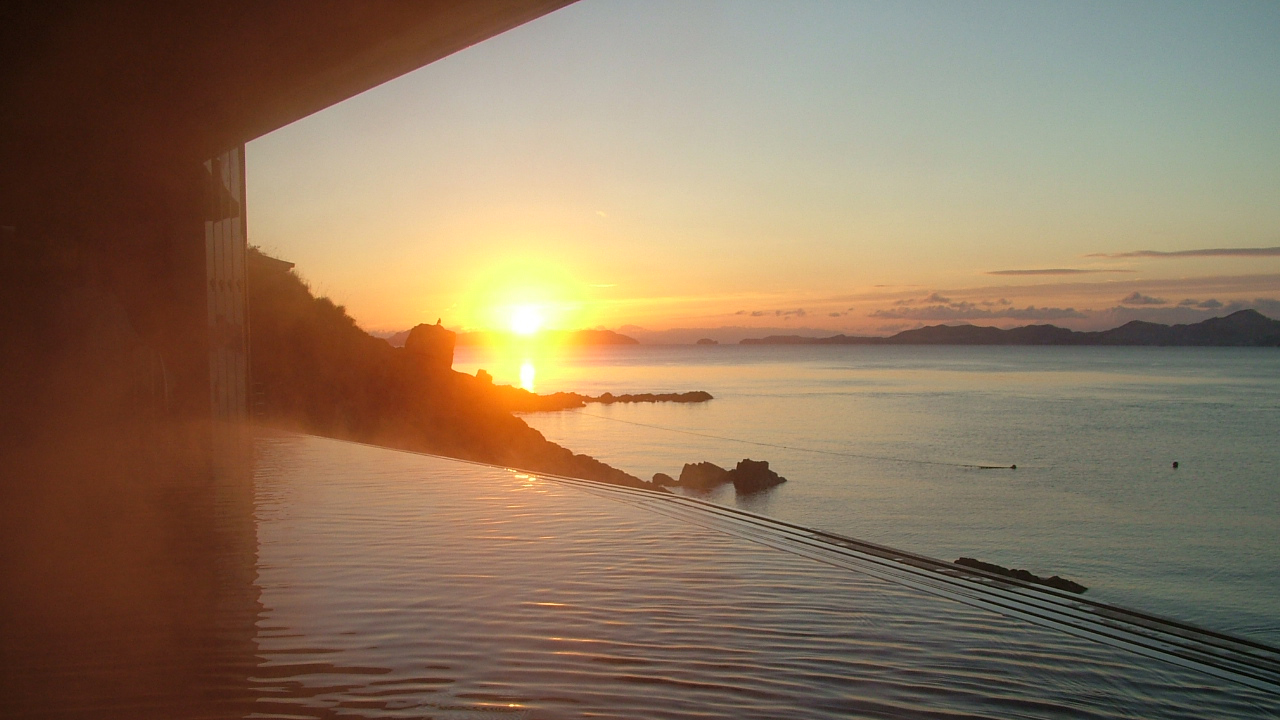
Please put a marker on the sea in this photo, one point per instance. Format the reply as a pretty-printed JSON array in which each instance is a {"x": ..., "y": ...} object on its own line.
[{"x": 914, "y": 447}]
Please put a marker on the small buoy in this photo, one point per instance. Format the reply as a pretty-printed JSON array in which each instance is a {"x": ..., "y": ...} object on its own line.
[{"x": 1175, "y": 464}]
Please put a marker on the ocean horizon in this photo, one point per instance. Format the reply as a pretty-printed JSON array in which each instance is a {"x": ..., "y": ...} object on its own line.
[{"x": 886, "y": 444}]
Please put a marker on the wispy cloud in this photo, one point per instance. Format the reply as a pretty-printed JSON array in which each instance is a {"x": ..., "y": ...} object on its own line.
[
  {"x": 1054, "y": 271},
  {"x": 1137, "y": 298},
  {"x": 1118, "y": 315},
  {"x": 1210, "y": 304},
  {"x": 1208, "y": 252}
]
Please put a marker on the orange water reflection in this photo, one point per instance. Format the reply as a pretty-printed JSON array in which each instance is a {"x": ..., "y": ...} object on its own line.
[{"x": 536, "y": 363}]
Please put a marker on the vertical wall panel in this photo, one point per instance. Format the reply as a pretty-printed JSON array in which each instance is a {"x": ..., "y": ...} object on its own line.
[{"x": 225, "y": 251}]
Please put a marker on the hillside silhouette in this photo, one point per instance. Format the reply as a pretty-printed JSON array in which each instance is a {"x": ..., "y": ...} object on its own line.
[
  {"x": 1245, "y": 328},
  {"x": 314, "y": 370}
]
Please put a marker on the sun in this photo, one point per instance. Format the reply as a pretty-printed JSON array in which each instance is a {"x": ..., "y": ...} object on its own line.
[{"x": 526, "y": 320}]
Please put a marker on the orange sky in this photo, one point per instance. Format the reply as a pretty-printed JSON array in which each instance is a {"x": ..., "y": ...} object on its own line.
[{"x": 842, "y": 167}]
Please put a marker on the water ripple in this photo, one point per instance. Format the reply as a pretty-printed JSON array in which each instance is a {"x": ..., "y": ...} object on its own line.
[{"x": 398, "y": 585}]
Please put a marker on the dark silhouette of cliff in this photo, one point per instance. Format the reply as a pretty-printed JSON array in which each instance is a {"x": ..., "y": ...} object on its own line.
[
  {"x": 316, "y": 371},
  {"x": 1246, "y": 328}
]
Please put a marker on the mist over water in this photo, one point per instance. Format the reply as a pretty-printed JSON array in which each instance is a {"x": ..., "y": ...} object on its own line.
[{"x": 877, "y": 441}]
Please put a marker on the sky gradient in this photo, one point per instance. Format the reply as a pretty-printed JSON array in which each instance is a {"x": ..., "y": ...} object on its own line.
[{"x": 847, "y": 167}]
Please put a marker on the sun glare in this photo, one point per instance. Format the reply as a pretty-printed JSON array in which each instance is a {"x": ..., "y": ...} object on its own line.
[
  {"x": 523, "y": 298},
  {"x": 526, "y": 320},
  {"x": 527, "y": 373}
]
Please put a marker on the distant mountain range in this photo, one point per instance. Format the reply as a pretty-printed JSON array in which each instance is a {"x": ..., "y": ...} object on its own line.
[{"x": 1246, "y": 328}]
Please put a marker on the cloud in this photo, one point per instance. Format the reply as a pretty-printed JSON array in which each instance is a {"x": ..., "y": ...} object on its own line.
[
  {"x": 1118, "y": 315},
  {"x": 757, "y": 313},
  {"x": 1267, "y": 306},
  {"x": 930, "y": 298},
  {"x": 787, "y": 313},
  {"x": 1137, "y": 298},
  {"x": 970, "y": 311},
  {"x": 936, "y": 306},
  {"x": 1208, "y": 252},
  {"x": 1055, "y": 271}
]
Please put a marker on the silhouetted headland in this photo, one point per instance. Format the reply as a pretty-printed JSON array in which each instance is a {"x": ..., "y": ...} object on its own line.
[
  {"x": 314, "y": 370},
  {"x": 1245, "y": 328}
]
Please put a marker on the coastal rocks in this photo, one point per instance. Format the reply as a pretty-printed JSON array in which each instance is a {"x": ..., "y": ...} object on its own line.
[
  {"x": 703, "y": 476},
  {"x": 1057, "y": 582},
  {"x": 695, "y": 396},
  {"x": 515, "y": 399},
  {"x": 752, "y": 476},
  {"x": 431, "y": 346},
  {"x": 663, "y": 480},
  {"x": 707, "y": 341}
]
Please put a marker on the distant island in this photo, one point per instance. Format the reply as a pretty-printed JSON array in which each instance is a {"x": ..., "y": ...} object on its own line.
[
  {"x": 1246, "y": 328},
  {"x": 553, "y": 337}
]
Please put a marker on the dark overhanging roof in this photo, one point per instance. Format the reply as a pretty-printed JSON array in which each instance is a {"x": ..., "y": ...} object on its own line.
[{"x": 88, "y": 88}]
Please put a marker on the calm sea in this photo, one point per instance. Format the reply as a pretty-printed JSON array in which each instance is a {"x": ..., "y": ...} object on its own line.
[{"x": 880, "y": 443}]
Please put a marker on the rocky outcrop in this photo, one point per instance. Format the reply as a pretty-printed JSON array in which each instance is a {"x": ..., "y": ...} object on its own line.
[
  {"x": 1057, "y": 582},
  {"x": 663, "y": 480},
  {"x": 752, "y": 476},
  {"x": 695, "y": 396},
  {"x": 431, "y": 346},
  {"x": 707, "y": 341},
  {"x": 515, "y": 399},
  {"x": 703, "y": 476}
]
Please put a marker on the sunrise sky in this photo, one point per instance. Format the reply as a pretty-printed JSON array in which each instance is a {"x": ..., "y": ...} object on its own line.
[{"x": 843, "y": 166}]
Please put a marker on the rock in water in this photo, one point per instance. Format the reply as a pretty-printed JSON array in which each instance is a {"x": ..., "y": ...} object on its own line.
[
  {"x": 703, "y": 476},
  {"x": 1060, "y": 583},
  {"x": 663, "y": 480},
  {"x": 753, "y": 476}
]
